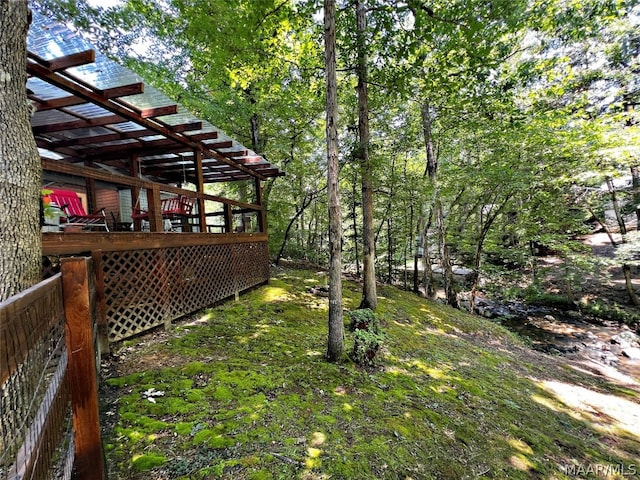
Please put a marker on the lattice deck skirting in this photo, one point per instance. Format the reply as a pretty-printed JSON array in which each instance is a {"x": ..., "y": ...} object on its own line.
[{"x": 148, "y": 288}]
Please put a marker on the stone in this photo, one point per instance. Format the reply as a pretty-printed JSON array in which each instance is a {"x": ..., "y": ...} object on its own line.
[
  {"x": 625, "y": 339},
  {"x": 632, "y": 353}
]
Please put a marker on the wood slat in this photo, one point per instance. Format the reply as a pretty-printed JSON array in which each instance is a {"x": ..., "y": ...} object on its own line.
[
  {"x": 80, "y": 123},
  {"x": 19, "y": 332},
  {"x": 158, "y": 111},
  {"x": 235, "y": 153},
  {"x": 76, "y": 242},
  {"x": 71, "y": 60},
  {"x": 122, "y": 90},
  {"x": 57, "y": 103}
]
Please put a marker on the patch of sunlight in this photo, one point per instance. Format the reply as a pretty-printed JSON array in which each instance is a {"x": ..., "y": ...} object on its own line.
[
  {"x": 590, "y": 367},
  {"x": 603, "y": 410},
  {"x": 272, "y": 294},
  {"x": 151, "y": 437},
  {"x": 441, "y": 388},
  {"x": 135, "y": 435},
  {"x": 436, "y": 373},
  {"x": 254, "y": 416},
  {"x": 546, "y": 402},
  {"x": 347, "y": 407},
  {"x": 314, "y": 353},
  {"x": 313, "y": 458},
  {"x": 314, "y": 452},
  {"x": 521, "y": 462},
  {"x": 398, "y": 371},
  {"x": 200, "y": 320},
  {"x": 520, "y": 445},
  {"x": 323, "y": 306},
  {"x": 432, "y": 331},
  {"x": 454, "y": 329},
  {"x": 407, "y": 415},
  {"x": 317, "y": 439},
  {"x": 405, "y": 325},
  {"x": 340, "y": 390}
]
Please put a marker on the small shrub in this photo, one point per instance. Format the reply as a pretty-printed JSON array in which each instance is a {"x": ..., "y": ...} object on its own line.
[
  {"x": 363, "y": 319},
  {"x": 367, "y": 335}
]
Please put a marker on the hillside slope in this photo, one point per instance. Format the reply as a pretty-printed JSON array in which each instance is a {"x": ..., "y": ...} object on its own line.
[{"x": 243, "y": 392}]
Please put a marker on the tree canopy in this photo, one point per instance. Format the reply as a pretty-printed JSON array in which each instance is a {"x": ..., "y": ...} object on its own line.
[{"x": 530, "y": 106}]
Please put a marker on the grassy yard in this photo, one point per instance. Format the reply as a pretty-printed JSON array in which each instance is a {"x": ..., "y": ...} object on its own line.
[{"x": 242, "y": 391}]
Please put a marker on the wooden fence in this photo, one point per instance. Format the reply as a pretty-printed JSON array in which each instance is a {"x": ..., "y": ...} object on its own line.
[{"x": 49, "y": 420}]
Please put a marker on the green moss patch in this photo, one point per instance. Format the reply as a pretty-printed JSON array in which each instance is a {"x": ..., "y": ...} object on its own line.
[{"x": 248, "y": 394}]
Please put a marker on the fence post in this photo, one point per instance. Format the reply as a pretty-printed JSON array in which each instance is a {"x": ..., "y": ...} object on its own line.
[{"x": 81, "y": 370}]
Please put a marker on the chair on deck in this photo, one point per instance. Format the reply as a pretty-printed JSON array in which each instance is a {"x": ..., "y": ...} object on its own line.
[
  {"x": 173, "y": 208},
  {"x": 71, "y": 204}
]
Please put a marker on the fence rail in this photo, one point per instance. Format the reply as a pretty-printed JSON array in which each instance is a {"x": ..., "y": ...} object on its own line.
[{"x": 47, "y": 348}]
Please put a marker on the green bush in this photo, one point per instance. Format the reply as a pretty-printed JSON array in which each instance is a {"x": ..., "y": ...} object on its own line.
[{"x": 367, "y": 335}]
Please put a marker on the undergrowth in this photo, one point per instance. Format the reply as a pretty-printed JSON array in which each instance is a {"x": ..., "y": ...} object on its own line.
[{"x": 243, "y": 392}]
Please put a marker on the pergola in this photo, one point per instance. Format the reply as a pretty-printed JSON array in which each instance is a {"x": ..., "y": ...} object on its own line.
[
  {"x": 121, "y": 145},
  {"x": 97, "y": 120}
]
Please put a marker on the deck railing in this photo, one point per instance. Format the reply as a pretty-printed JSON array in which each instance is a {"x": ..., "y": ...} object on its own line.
[
  {"x": 49, "y": 424},
  {"x": 210, "y": 213}
]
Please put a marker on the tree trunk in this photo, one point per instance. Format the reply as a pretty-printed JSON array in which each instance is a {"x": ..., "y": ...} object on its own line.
[
  {"x": 369, "y": 294},
  {"x": 389, "y": 220},
  {"x": 445, "y": 259},
  {"x": 626, "y": 268},
  {"x": 616, "y": 207},
  {"x": 427, "y": 277},
  {"x": 443, "y": 248},
  {"x": 335, "y": 341},
  {"x": 416, "y": 260},
  {"x": 20, "y": 240},
  {"x": 635, "y": 178},
  {"x": 354, "y": 218},
  {"x": 604, "y": 227},
  {"x": 306, "y": 201}
]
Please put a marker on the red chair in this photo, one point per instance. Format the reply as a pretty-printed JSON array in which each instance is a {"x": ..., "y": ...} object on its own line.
[{"x": 71, "y": 204}]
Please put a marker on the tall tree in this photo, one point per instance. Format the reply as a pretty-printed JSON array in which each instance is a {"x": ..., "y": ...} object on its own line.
[
  {"x": 20, "y": 255},
  {"x": 335, "y": 343},
  {"x": 369, "y": 295}
]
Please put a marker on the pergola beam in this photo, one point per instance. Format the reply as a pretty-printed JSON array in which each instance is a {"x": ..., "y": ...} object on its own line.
[
  {"x": 72, "y": 85},
  {"x": 80, "y": 123},
  {"x": 71, "y": 60}
]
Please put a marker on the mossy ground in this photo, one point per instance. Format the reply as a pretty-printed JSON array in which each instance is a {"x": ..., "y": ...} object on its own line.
[{"x": 247, "y": 394}]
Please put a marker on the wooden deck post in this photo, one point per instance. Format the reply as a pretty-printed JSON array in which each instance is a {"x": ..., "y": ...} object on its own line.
[
  {"x": 262, "y": 214},
  {"x": 202, "y": 214},
  {"x": 228, "y": 218},
  {"x": 155, "y": 214},
  {"x": 81, "y": 370},
  {"x": 101, "y": 305}
]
